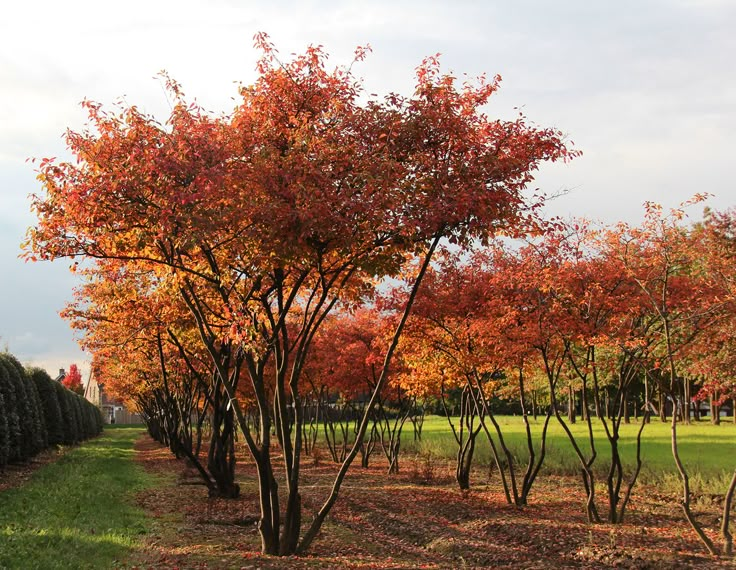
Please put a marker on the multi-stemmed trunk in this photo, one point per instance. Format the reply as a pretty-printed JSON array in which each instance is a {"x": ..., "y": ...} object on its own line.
[
  {"x": 221, "y": 454},
  {"x": 465, "y": 435},
  {"x": 390, "y": 429},
  {"x": 285, "y": 353}
]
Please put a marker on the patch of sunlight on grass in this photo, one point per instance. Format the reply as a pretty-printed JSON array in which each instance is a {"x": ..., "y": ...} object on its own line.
[{"x": 78, "y": 512}]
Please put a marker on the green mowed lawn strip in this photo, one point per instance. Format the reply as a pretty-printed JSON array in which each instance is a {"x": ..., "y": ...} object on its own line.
[
  {"x": 78, "y": 512},
  {"x": 707, "y": 451}
]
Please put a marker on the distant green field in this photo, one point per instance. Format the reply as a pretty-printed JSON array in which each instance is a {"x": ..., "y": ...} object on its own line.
[{"x": 708, "y": 451}]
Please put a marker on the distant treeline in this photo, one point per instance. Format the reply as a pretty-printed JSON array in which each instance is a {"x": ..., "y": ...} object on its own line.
[{"x": 36, "y": 412}]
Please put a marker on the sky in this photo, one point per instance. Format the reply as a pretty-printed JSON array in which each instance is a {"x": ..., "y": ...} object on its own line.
[{"x": 646, "y": 89}]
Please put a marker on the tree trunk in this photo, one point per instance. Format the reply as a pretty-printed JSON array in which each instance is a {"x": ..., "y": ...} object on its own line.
[
  {"x": 221, "y": 456},
  {"x": 715, "y": 411},
  {"x": 726, "y": 518},
  {"x": 687, "y": 401},
  {"x": 686, "y": 495},
  {"x": 662, "y": 407},
  {"x": 571, "y": 404},
  {"x": 465, "y": 461}
]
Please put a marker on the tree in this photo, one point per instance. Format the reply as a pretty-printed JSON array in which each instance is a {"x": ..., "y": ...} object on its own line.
[
  {"x": 264, "y": 221},
  {"x": 662, "y": 259},
  {"x": 449, "y": 347},
  {"x": 147, "y": 354},
  {"x": 73, "y": 380}
]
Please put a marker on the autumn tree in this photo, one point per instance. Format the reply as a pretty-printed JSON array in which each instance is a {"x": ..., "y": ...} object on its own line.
[
  {"x": 264, "y": 220},
  {"x": 341, "y": 370},
  {"x": 73, "y": 380},
  {"x": 661, "y": 257},
  {"x": 712, "y": 356},
  {"x": 448, "y": 349},
  {"x": 608, "y": 335},
  {"x": 147, "y": 353}
]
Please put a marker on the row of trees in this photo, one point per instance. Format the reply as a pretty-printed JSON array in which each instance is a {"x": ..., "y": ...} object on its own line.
[
  {"x": 597, "y": 314},
  {"x": 36, "y": 412},
  {"x": 612, "y": 322},
  {"x": 232, "y": 266}
]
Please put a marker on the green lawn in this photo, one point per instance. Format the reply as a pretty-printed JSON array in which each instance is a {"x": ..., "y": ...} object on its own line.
[
  {"x": 707, "y": 451},
  {"x": 77, "y": 512}
]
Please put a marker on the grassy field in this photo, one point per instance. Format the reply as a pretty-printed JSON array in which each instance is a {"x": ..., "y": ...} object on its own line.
[
  {"x": 77, "y": 512},
  {"x": 708, "y": 451}
]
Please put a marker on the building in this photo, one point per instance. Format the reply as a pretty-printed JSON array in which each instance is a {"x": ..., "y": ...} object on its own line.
[{"x": 113, "y": 411}]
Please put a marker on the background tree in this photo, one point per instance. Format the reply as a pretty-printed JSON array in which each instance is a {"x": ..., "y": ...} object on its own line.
[
  {"x": 664, "y": 261},
  {"x": 73, "y": 380}
]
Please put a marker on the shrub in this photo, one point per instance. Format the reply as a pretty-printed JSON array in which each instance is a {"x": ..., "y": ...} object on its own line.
[
  {"x": 33, "y": 427},
  {"x": 67, "y": 416},
  {"x": 37, "y": 436},
  {"x": 4, "y": 443},
  {"x": 78, "y": 416},
  {"x": 49, "y": 405},
  {"x": 15, "y": 403}
]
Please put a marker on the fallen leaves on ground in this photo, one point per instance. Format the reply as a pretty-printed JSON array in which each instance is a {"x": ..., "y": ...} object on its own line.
[{"x": 405, "y": 521}]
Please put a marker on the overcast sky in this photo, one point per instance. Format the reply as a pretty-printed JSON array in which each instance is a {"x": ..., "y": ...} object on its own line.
[{"x": 646, "y": 89}]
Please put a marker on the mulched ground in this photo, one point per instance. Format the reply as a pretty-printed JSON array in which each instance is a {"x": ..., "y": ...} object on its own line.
[{"x": 417, "y": 519}]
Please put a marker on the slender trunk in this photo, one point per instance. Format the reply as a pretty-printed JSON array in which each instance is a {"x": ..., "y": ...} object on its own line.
[
  {"x": 571, "y": 404},
  {"x": 637, "y": 469},
  {"x": 726, "y": 518},
  {"x": 221, "y": 456},
  {"x": 686, "y": 495},
  {"x": 585, "y": 466},
  {"x": 662, "y": 406},
  {"x": 715, "y": 411},
  {"x": 319, "y": 518},
  {"x": 268, "y": 525},
  {"x": 646, "y": 395},
  {"x": 532, "y": 469},
  {"x": 686, "y": 403}
]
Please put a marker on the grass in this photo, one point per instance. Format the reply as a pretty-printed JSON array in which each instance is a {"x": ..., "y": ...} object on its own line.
[
  {"x": 77, "y": 512},
  {"x": 707, "y": 450}
]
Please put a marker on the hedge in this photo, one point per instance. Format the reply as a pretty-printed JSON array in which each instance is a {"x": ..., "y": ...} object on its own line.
[
  {"x": 49, "y": 405},
  {"x": 13, "y": 432},
  {"x": 36, "y": 412},
  {"x": 4, "y": 440}
]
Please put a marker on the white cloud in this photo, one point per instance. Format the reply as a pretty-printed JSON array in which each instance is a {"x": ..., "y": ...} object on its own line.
[{"x": 645, "y": 88}]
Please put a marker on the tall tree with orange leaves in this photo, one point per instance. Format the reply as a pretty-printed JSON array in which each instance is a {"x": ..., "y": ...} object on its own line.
[{"x": 264, "y": 220}]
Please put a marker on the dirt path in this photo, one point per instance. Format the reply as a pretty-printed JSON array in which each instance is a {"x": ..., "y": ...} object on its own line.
[{"x": 418, "y": 519}]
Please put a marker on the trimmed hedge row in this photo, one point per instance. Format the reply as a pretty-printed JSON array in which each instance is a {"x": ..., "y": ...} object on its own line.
[{"x": 36, "y": 412}]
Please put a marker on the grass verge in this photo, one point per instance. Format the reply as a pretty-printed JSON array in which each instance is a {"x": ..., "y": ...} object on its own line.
[{"x": 77, "y": 512}]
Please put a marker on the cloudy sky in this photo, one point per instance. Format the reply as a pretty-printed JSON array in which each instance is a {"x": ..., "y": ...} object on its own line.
[{"x": 646, "y": 89}]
